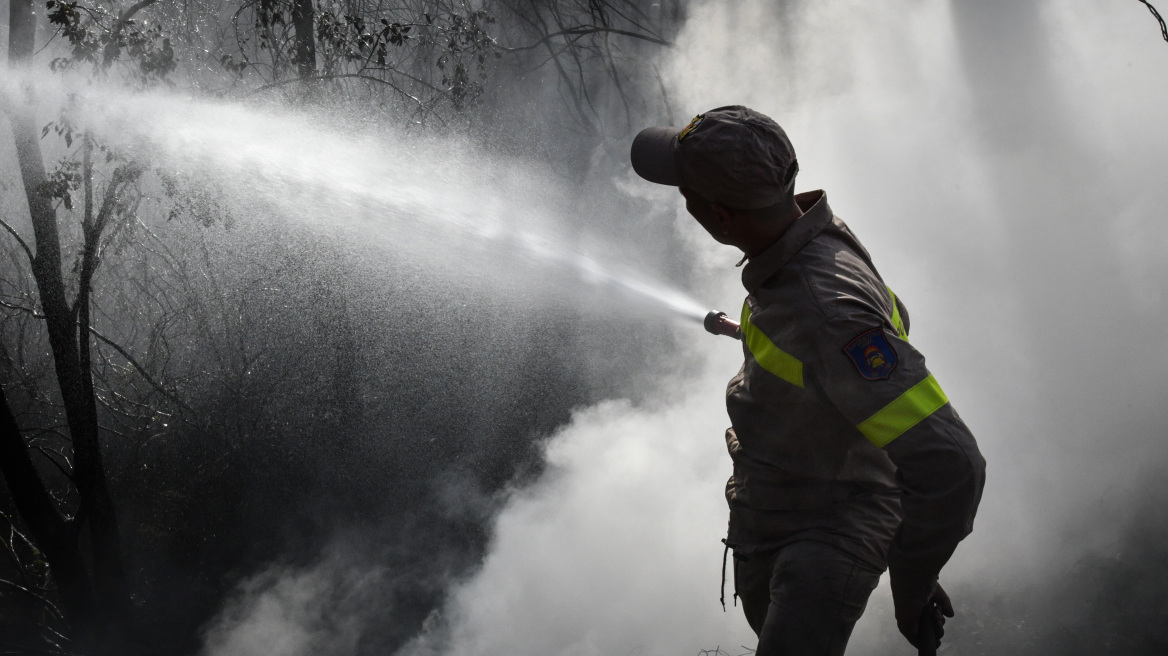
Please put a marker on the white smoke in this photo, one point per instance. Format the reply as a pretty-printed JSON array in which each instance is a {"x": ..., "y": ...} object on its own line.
[
  {"x": 1012, "y": 192},
  {"x": 616, "y": 550},
  {"x": 314, "y": 611}
]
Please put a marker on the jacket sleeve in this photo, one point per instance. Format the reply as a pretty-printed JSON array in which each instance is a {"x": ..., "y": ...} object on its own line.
[{"x": 879, "y": 382}]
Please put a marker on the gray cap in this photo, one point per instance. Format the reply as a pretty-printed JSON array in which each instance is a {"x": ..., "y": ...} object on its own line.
[{"x": 733, "y": 156}]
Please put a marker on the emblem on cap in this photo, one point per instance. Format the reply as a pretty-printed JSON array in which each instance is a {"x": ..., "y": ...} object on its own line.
[
  {"x": 873, "y": 356},
  {"x": 693, "y": 125}
]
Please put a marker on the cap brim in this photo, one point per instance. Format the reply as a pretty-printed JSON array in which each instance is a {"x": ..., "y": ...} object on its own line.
[{"x": 652, "y": 155}]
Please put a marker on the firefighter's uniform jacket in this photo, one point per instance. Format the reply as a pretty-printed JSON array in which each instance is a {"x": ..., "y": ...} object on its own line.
[{"x": 839, "y": 431}]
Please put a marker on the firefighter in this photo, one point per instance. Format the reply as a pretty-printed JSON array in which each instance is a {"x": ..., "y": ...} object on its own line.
[{"x": 848, "y": 458}]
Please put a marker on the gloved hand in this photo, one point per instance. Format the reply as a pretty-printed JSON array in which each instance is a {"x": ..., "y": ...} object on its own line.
[{"x": 911, "y": 594}]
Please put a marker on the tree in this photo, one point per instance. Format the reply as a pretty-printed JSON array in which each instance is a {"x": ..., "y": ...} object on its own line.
[
  {"x": 81, "y": 542},
  {"x": 427, "y": 60}
]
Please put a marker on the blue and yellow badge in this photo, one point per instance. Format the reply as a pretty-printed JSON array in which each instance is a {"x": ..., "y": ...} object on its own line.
[
  {"x": 693, "y": 125},
  {"x": 872, "y": 354}
]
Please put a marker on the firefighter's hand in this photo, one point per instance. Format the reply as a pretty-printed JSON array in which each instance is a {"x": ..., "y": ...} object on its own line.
[{"x": 911, "y": 595}]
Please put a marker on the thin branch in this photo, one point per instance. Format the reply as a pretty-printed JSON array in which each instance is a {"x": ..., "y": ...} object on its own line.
[
  {"x": 15, "y": 306},
  {"x": 358, "y": 76},
  {"x": 664, "y": 95},
  {"x": 10, "y": 544},
  {"x": 48, "y": 604},
  {"x": 121, "y": 351},
  {"x": 19, "y": 240},
  {"x": 68, "y": 475},
  {"x": 39, "y": 438},
  {"x": 61, "y": 636},
  {"x": 1159, "y": 19},
  {"x": 585, "y": 30},
  {"x": 141, "y": 370},
  {"x": 124, "y": 19}
]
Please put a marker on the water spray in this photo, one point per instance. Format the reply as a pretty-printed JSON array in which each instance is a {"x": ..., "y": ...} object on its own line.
[
  {"x": 717, "y": 323},
  {"x": 339, "y": 181},
  {"x": 416, "y": 197}
]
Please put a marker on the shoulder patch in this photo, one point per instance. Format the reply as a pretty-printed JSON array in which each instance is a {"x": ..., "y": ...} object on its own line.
[
  {"x": 873, "y": 356},
  {"x": 693, "y": 125}
]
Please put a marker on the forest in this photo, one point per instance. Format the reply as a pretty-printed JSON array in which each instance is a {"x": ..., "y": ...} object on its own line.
[{"x": 190, "y": 394}]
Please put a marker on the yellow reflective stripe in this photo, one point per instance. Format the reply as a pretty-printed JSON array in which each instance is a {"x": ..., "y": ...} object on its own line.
[
  {"x": 770, "y": 357},
  {"x": 896, "y": 320},
  {"x": 908, "y": 410}
]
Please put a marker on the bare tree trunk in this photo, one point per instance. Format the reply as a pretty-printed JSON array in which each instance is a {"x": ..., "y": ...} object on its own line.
[
  {"x": 69, "y": 341},
  {"x": 304, "y": 53}
]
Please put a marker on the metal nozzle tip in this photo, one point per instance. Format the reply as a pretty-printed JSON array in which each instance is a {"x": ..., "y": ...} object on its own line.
[
  {"x": 717, "y": 323},
  {"x": 711, "y": 321}
]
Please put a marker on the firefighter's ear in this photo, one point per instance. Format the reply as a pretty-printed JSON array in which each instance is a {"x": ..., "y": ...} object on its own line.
[{"x": 723, "y": 219}]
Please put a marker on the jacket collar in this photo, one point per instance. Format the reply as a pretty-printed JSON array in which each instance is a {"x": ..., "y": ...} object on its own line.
[{"x": 816, "y": 216}]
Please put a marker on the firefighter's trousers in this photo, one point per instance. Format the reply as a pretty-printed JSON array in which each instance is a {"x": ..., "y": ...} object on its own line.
[{"x": 803, "y": 598}]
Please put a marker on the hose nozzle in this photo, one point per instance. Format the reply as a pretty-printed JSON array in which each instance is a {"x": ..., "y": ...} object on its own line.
[{"x": 717, "y": 323}]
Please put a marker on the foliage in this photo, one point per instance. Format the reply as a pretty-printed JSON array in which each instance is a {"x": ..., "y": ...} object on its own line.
[
  {"x": 427, "y": 57},
  {"x": 101, "y": 38},
  {"x": 62, "y": 182},
  {"x": 439, "y": 59}
]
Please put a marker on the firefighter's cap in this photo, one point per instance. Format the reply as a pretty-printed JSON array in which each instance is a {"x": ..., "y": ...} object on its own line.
[{"x": 733, "y": 156}]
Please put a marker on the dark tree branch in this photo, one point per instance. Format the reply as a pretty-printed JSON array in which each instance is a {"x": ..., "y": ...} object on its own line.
[
  {"x": 355, "y": 76},
  {"x": 141, "y": 370},
  {"x": 1159, "y": 19},
  {"x": 593, "y": 29},
  {"x": 128, "y": 14},
  {"x": 49, "y": 529},
  {"x": 39, "y": 598},
  {"x": 19, "y": 239},
  {"x": 115, "y": 346},
  {"x": 10, "y": 545},
  {"x": 61, "y": 468},
  {"x": 93, "y": 227},
  {"x": 22, "y": 308}
]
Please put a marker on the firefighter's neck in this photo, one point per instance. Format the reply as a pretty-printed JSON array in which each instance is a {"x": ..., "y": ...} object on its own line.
[{"x": 753, "y": 233}]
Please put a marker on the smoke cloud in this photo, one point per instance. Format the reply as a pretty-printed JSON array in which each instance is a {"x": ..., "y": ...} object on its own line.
[{"x": 1001, "y": 163}]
